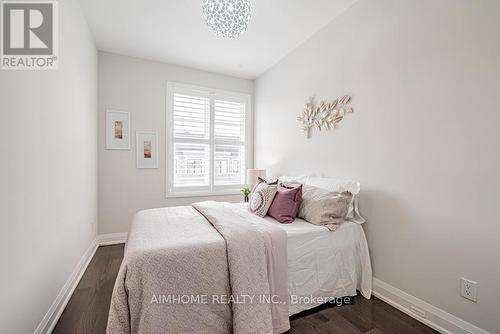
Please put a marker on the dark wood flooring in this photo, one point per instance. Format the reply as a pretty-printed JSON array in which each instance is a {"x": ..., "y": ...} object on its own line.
[{"x": 87, "y": 310}]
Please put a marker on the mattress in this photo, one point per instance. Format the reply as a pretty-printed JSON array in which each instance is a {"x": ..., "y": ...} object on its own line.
[{"x": 324, "y": 265}]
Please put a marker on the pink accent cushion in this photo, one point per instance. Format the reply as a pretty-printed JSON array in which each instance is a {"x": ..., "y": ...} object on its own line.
[{"x": 286, "y": 203}]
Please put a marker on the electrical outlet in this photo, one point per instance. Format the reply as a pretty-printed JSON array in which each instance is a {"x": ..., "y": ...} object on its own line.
[{"x": 468, "y": 289}]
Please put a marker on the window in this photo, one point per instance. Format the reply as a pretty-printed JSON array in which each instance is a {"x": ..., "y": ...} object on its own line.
[{"x": 207, "y": 140}]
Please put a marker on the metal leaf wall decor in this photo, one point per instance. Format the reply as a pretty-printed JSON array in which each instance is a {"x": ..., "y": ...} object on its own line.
[{"x": 324, "y": 116}]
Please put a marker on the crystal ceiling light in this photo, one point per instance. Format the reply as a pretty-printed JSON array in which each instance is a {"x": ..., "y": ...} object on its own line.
[{"x": 227, "y": 18}]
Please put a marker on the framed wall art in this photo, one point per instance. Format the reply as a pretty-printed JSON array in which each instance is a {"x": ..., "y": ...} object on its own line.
[
  {"x": 146, "y": 149},
  {"x": 117, "y": 130}
]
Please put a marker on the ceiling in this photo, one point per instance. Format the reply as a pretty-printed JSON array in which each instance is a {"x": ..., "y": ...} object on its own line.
[{"x": 174, "y": 31}]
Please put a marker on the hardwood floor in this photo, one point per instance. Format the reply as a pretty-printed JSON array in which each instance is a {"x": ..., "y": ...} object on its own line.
[{"x": 87, "y": 310}]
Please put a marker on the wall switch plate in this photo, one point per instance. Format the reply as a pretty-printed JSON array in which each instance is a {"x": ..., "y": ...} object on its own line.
[{"x": 468, "y": 289}]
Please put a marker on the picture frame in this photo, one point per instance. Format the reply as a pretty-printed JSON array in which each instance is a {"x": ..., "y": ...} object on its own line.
[
  {"x": 146, "y": 150},
  {"x": 117, "y": 130}
]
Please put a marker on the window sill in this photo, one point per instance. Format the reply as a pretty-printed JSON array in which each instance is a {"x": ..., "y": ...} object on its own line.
[{"x": 203, "y": 194}]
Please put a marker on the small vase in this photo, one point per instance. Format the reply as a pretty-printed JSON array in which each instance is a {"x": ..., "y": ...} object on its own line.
[{"x": 246, "y": 198}]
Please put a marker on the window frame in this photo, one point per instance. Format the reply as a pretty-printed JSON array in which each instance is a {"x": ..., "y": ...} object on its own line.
[{"x": 213, "y": 93}]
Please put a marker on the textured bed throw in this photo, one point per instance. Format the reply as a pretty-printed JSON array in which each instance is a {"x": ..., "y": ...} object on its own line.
[{"x": 210, "y": 268}]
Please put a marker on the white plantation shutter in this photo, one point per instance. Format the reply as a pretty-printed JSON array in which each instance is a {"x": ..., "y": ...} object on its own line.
[
  {"x": 208, "y": 140},
  {"x": 229, "y": 132},
  {"x": 191, "y": 116},
  {"x": 229, "y": 120}
]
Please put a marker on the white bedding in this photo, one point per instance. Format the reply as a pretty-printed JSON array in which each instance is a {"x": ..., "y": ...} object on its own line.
[{"x": 322, "y": 263}]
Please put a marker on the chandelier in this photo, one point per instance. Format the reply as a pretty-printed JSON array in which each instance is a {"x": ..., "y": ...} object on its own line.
[{"x": 227, "y": 18}]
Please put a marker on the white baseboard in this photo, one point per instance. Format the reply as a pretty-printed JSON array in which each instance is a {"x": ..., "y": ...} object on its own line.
[
  {"x": 50, "y": 319},
  {"x": 434, "y": 317}
]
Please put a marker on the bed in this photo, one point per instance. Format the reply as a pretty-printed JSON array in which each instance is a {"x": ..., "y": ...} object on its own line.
[
  {"x": 176, "y": 257},
  {"x": 325, "y": 264}
]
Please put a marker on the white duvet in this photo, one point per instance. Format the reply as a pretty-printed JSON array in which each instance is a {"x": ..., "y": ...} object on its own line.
[{"x": 325, "y": 264}]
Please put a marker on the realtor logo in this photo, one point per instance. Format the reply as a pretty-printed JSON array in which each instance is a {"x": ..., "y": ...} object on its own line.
[{"x": 29, "y": 35}]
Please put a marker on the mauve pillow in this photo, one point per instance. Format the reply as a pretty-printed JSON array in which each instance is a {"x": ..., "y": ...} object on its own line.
[
  {"x": 286, "y": 203},
  {"x": 325, "y": 208}
]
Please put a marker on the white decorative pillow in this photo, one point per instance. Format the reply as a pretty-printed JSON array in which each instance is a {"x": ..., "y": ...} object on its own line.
[
  {"x": 262, "y": 198},
  {"x": 336, "y": 185}
]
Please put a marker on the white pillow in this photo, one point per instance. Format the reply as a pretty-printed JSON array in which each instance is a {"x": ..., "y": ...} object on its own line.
[
  {"x": 293, "y": 179},
  {"x": 336, "y": 185}
]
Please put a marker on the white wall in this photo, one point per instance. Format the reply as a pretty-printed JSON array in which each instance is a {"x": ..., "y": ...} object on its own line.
[
  {"x": 48, "y": 174},
  {"x": 423, "y": 141},
  {"x": 139, "y": 86}
]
